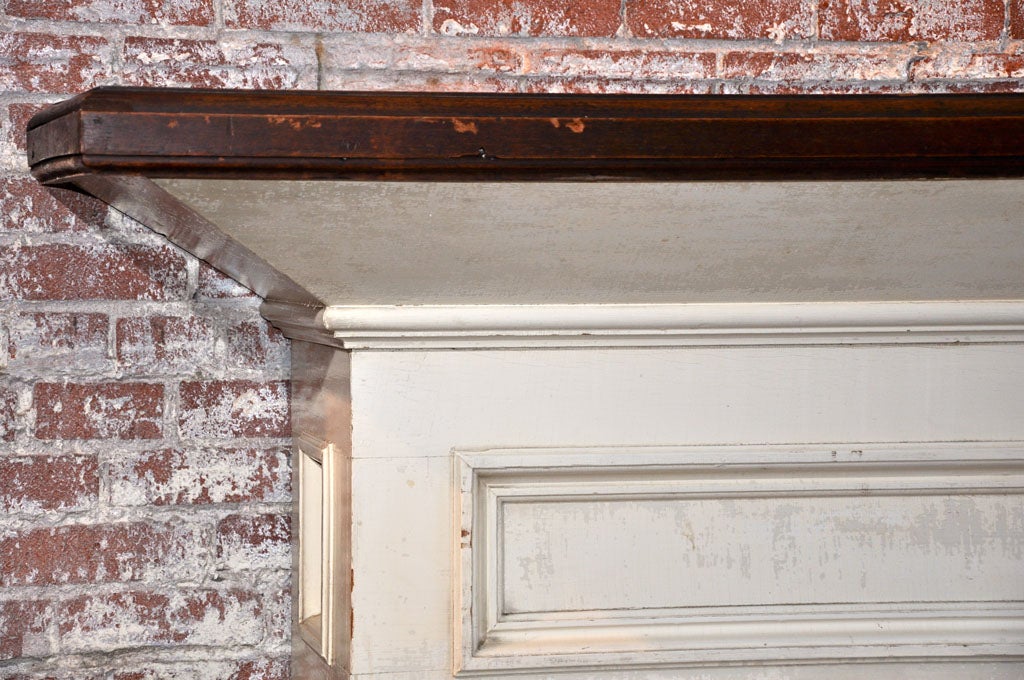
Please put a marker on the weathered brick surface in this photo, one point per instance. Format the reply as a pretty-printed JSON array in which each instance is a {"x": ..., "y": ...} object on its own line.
[
  {"x": 163, "y": 344},
  {"x": 9, "y": 413},
  {"x": 776, "y": 20},
  {"x": 968, "y": 66},
  {"x": 19, "y": 114},
  {"x": 196, "y": 345},
  {"x": 255, "y": 345},
  {"x": 165, "y": 62},
  {"x": 254, "y": 542},
  {"x": 903, "y": 20},
  {"x": 73, "y": 272},
  {"x": 254, "y": 669},
  {"x": 237, "y": 408},
  {"x": 796, "y": 67},
  {"x": 38, "y": 62},
  {"x": 98, "y": 411},
  {"x": 30, "y": 484},
  {"x": 23, "y": 628},
  {"x": 200, "y": 477},
  {"x": 1016, "y": 19},
  {"x": 26, "y": 206},
  {"x": 40, "y": 340},
  {"x": 215, "y": 286},
  {"x": 164, "y": 12},
  {"x": 99, "y": 623},
  {"x": 98, "y": 554},
  {"x": 366, "y": 16},
  {"x": 598, "y": 85},
  {"x": 527, "y": 18},
  {"x": 75, "y": 674},
  {"x": 625, "y": 65}
]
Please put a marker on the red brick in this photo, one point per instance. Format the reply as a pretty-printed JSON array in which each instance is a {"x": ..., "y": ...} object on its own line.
[
  {"x": 31, "y": 484},
  {"x": 968, "y": 87},
  {"x": 597, "y": 85},
  {"x": 640, "y": 65},
  {"x": 28, "y": 206},
  {"x": 216, "y": 286},
  {"x": 1016, "y": 9},
  {"x": 165, "y": 344},
  {"x": 961, "y": 67},
  {"x": 812, "y": 67},
  {"x": 166, "y": 62},
  {"x": 19, "y": 115},
  {"x": 9, "y": 416},
  {"x": 811, "y": 87},
  {"x": 429, "y": 55},
  {"x": 98, "y": 411},
  {"x": 193, "y": 345},
  {"x": 256, "y": 345},
  {"x": 23, "y": 629},
  {"x": 363, "y": 16},
  {"x": 38, "y": 62},
  {"x": 906, "y": 20},
  {"x": 99, "y": 554},
  {"x": 253, "y": 669},
  {"x": 234, "y": 408},
  {"x": 107, "y": 622},
  {"x": 262, "y": 669},
  {"x": 68, "y": 272},
  {"x": 179, "y": 12},
  {"x": 411, "y": 81},
  {"x": 527, "y": 18},
  {"x": 38, "y": 339},
  {"x": 757, "y": 19},
  {"x": 76, "y": 674},
  {"x": 175, "y": 477},
  {"x": 254, "y": 542}
]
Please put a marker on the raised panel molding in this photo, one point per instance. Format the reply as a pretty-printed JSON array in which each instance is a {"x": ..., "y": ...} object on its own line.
[{"x": 649, "y": 557}]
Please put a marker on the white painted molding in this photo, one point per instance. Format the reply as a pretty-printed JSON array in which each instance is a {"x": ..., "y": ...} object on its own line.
[
  {"x": 656, "y": 325},
  {"x": 496, "y": 639}
]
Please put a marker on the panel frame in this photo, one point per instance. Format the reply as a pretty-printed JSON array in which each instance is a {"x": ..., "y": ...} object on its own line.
[
  {"x": 319, "y": 629},
  {"x": 489, "y": 642}
]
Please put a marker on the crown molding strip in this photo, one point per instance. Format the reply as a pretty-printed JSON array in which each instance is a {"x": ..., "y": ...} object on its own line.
[{"x": 502, "y": 326}]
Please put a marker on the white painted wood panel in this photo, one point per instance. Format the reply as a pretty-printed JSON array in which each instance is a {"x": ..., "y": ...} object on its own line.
[
  {"x": 724, "y": 395},
  {"x": 407, "y": 243},
  {"x": 412, "y": 409},
  {"x": 617, "y": 558}
]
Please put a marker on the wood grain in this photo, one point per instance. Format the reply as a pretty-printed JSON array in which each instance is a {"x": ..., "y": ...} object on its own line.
[{"x": 194, "y": 133}]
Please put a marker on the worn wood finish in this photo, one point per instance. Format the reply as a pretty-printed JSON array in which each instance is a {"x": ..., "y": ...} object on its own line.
[{"x": 170, "y": 133}]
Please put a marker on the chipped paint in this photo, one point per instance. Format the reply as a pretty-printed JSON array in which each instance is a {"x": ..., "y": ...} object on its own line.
[
  {"x": 464, "y": 126},
  {"x": 576, "y": 125}
]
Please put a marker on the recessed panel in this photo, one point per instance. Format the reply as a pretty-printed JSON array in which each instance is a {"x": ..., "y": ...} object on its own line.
[
  {"x": 622, "y": 557},
  {"x": 648, "y": 553}
]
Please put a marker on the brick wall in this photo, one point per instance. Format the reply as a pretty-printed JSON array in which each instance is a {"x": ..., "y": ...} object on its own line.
[{"x": 144, "y": 404}]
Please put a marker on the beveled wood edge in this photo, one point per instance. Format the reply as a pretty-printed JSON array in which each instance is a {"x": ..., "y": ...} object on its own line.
[{"x": 445, "y": 136}]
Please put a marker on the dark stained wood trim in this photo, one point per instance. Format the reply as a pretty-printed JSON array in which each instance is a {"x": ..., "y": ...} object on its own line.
[{"x": 339, "y": 135}]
